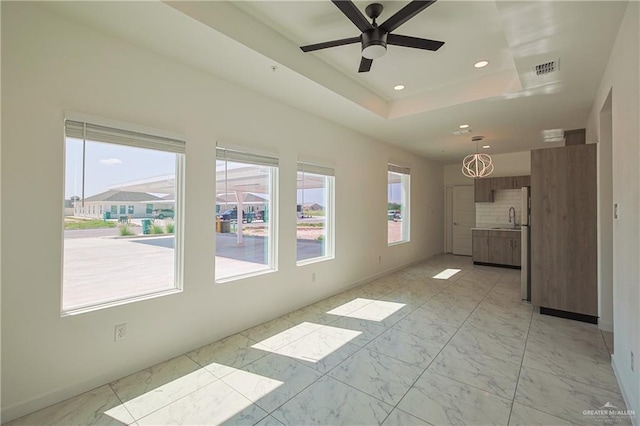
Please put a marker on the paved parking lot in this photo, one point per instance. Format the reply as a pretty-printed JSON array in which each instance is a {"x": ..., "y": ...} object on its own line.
[{"x": 102, "y": 269}]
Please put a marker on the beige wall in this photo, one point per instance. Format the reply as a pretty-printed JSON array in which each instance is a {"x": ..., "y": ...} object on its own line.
[
  {"x": 622, "y": 79},
  {"x": 52, "y": 65}
]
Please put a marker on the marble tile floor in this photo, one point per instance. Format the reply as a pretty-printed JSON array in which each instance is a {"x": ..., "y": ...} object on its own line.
[{"x": 406, "y": 349}]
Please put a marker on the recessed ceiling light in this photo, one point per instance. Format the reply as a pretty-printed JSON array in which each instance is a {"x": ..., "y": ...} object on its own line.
[
  {"x": 464, "y": 126},
  {"x": 398, "y": 87},
  {"x": 486, "y": 146},
  {"x": 481, "y": 64}
]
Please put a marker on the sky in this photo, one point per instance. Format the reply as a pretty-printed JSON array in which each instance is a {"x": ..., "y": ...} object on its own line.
[{"x": 112, "y": 164}]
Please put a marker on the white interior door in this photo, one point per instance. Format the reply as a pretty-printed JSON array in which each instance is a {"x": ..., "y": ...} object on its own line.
[
  {"x": 448, "y": 219},
  {"x": 464, "y": 218}
]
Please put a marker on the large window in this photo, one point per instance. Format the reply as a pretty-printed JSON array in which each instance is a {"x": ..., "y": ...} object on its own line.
[
  {"x": 315, "y": 213},
  {"x": 245, "y": 213},
  {"x": 398, "y": 180},
  {"x": 115, "y": 257}
]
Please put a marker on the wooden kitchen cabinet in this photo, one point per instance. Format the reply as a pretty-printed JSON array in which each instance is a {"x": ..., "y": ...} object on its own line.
[
  {"x": 520, "y": 181},
  {"x": 484, "y": 187},
  {"x": 564, "y": 261},
  {"x": 480, "y": 243},
  {"x": 496, "y": 247},
  {"x": 483, "y": 192},
  {"x": 510, "y": 182}
]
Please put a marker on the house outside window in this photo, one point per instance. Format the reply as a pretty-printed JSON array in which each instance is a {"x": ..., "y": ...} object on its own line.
[{"x": 98, "y": 159}]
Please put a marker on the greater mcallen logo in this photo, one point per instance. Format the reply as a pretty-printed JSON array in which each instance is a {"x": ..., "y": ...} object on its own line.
[{"x": 609, "y": 413}]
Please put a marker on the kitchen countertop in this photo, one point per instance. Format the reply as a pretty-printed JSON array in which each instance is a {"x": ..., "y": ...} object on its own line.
[{"x": 496, "y": 229}]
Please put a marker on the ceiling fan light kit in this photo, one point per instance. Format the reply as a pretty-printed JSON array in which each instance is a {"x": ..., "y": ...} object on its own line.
[
  {"x": 374, "y": 38},
  {"x": 477, "y": 165}
]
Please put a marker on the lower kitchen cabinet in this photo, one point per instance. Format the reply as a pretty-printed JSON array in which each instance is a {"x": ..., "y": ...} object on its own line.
[{"x": 496, "y": 247}]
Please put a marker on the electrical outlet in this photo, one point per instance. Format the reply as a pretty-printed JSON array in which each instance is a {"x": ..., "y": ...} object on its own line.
[
  {"x": 313, "y": 277},
  {"x": 615, "y": 211},
  {"x": 119, "y": 332},
  {"x": 632, "y": 362}
]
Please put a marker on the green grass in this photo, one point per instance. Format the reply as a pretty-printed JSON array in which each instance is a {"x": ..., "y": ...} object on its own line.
[
  {"x": 314, "y": 212},
  {"x": 125, "y": 230},
  {"x": 170, "y": 227},
  {"x": 88, "y": 224},
  {"x": 157, "y": 229},
  {"x": 311, "y": 225}
]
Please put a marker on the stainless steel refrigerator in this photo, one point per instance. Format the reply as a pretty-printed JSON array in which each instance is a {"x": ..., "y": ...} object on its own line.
[{"x": 525, "y": 244}]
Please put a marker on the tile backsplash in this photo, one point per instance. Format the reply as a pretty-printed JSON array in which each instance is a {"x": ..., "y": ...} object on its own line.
[{"x": 497, "y": 213}]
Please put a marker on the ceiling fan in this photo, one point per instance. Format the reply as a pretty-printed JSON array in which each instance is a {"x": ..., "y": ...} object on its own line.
[{"x": 374, "y": 37}]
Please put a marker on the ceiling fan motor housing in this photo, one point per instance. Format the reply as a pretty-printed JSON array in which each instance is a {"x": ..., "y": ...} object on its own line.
[{"x": 374, "y": 43}]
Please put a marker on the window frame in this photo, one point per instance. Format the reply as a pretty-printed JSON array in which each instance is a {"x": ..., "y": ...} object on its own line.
[
  {"x": 178, "y": 258},
  {"x": 329, "y": 243},
  {"x": 250, "y": 157},
  {"x": 405, "y": 195}
]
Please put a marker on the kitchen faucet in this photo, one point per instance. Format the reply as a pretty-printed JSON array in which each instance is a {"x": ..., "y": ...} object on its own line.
[{"x": 511, "y": 209}]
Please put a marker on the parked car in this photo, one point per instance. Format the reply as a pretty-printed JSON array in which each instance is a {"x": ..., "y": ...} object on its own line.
[
  {"x": 233, "y": 215},
  {"x": 162, "y": 213},
  {"x": 394, "y": 215}
]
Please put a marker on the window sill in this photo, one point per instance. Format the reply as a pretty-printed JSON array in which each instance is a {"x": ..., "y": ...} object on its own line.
[
  {"x": 314, "y": 260},
  {"x": 397, "y": 243},
  {"x": 243, "y": 276},
  {"x": 92, "y": 308}
]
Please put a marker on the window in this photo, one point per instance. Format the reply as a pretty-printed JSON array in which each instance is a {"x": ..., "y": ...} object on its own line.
[
  {"x": 245, "y": 223},
  {"x": 100, "y": 267},
  {"x": 398, "y": 180},
  {"x": 314, "y": 231},
  {"x": 114, "y": 209},
  {"x": 149, "y": 209},
  {"x": 130, "y": 210}
]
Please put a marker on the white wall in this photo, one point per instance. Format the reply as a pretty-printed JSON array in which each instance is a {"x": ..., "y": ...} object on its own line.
[
  {"x": 622, "y": 79},
  {"x": 52, "y": 65},
  {"x": 514, "y": 164}
]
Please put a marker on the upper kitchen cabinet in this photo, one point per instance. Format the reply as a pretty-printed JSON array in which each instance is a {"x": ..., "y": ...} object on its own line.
[
  {"x": 575, "y": 137},
  {"x": 484, "y": 187},
  {"x": 483, "y": 192},
  {"x": 564, "y": 230},
  {"x": 510, "y": 182}
]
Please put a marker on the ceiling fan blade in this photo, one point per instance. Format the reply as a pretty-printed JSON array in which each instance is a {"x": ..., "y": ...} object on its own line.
[
  {"x": 353, "y": 13},
  {"x": 406, "y": 13},
  {"x": 416, "y": 43},
  {"x": 327, "y": 44},
  {"x": 365, "y": 65}
]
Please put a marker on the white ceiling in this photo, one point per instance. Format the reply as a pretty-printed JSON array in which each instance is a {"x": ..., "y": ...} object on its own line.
[{"x": 242, "y": 42}]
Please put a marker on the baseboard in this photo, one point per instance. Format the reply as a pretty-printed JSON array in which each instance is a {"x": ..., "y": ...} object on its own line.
[
  {"x": 389, "y": 272},
  {"x": 569, "y": 315},
  {"x": 18, "y": 410},
  {"x": 635, "y": 420},
  {"x": 15, "y": 411}
]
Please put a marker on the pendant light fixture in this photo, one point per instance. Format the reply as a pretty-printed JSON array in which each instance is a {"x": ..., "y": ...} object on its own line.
[{"x": 477, "y": 165}]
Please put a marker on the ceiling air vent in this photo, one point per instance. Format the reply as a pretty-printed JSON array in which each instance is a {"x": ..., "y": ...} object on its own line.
[
  {"x": 547, "y": 67},
  {"x": 462, "y": 132}
]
